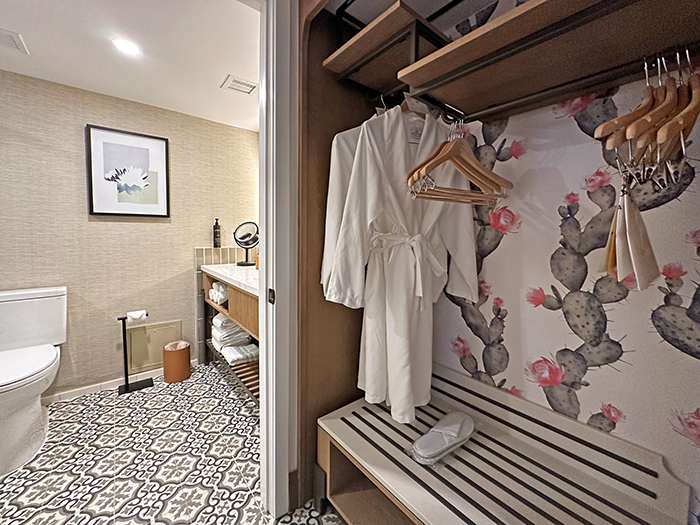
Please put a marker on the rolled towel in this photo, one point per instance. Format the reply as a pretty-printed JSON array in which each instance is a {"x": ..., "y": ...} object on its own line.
[
  {"x": 218, "y": 297},
  {"x": 222, "y": 322},
  {"x": 220, "y": 287}
]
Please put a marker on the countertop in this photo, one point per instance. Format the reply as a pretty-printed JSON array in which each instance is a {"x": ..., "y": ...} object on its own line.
[{"x": 243, "y": 277}]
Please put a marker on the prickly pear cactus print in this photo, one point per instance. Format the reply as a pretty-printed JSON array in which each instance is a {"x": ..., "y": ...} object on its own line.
[
  {"x": 494, "y": 222},
  {"x": 583, "y": 309},
  {"x": 678, "y": 325}
]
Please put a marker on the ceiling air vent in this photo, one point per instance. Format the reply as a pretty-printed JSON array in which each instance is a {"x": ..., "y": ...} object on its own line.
[
  {"x": 13, "y": 41},
  {"x": 238, "y": 85}
]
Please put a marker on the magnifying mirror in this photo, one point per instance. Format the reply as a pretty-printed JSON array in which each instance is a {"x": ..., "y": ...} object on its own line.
[{"x": 247, "y": 236}]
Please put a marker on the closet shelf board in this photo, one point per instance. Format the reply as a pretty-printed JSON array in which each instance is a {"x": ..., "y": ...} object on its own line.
[
  {"x": 374, "y": 56},
  {"x": 542, "y": 47}
]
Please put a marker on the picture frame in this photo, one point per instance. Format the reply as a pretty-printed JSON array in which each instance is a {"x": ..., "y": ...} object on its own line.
[{"x": 128, "y": 173}]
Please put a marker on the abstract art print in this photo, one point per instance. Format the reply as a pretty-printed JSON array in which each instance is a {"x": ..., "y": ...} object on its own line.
[{"x": 127, "y": 173}]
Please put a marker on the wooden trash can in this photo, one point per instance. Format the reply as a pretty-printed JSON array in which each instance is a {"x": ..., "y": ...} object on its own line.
[{"x": 176, "y": 361}]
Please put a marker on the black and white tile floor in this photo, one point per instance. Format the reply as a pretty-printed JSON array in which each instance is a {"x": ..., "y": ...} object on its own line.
[{"x": 173, "y": 454}]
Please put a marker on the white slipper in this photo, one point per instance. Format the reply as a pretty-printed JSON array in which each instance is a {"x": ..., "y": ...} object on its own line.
[{"x": 449, "y": 433}]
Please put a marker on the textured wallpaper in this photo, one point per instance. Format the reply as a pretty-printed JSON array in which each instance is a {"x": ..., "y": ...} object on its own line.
[
  {"x": 110, "y": 264},
  {"x": 549, "y": 326}
]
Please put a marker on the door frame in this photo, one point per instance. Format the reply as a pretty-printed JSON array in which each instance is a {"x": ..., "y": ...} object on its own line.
[{"x": 278, "y": 216}]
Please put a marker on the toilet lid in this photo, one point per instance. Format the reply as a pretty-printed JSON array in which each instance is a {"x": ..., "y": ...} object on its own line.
[{"x": 22, "y": 363}]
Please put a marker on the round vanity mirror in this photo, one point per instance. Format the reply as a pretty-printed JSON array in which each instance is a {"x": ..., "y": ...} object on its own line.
[{"x": 247, "y": 236}]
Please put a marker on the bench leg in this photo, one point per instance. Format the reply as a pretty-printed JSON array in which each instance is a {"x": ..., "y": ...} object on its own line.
[{"x": 320, "y": 501}]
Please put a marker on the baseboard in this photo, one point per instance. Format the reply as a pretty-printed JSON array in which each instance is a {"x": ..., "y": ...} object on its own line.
[{"x": 113, "y": 384}]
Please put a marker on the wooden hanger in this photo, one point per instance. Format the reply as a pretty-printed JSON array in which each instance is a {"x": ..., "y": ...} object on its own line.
[
  {"x": 620, "y": 136},
  {"x": 686, "y": 119},
  {"x": 461, "y": 149},
  {"x": 657, "y": 114},
  {"x": 648, "y": 138},
  {"x": 607, "y": 128}
]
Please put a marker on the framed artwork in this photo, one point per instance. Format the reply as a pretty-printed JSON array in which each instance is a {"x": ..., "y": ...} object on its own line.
[{"x": 127, "y": 173}]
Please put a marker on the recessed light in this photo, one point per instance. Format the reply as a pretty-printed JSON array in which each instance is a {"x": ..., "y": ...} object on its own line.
[{"x": 126, "y": 46}]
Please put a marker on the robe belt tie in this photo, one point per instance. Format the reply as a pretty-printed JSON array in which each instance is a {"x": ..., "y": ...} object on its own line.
[{"x": 423, "y": 253}]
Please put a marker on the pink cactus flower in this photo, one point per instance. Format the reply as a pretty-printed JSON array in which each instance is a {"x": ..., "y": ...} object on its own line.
[
  {"x": 571, "y": 198},
  {"x": 693, "y": 238},
  {"x": 614, "y": 414},
  {"x": 518, "y": 149},
  {"x": 573, "y": 106},
  {"x": 545, "y": 372},
  {"x": 535, "y": 296},
  {"x": 460, "y": 347},
  {"x": 673, "y": 271},
  {"x": 504, "y": 220},
  {"x": 688, "y": 425},
  {"x": 484, "y": 287},
  {"x": 498, "y": 302},
  {"x": 630, "y": 282},
  {"x": 596, "y": 180},
  {"x": 517, "y": 392}
]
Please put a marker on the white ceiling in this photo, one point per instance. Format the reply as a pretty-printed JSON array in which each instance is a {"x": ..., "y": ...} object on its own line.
[{"x": 188, "y": 46}]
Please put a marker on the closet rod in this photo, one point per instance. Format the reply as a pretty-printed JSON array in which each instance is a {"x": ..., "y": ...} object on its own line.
[
  {"x": 559, "y": 28},
  {"x": 606, "y": 79},
  {"x": 342, "y": 13},
  {"x": 444, "y": 9}
]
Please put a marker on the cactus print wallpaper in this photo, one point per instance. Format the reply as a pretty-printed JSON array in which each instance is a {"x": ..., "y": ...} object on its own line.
[{"x": 552, "y": 329}]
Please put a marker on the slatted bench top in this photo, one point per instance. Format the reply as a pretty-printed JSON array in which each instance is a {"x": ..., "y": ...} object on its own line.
[{"x": 524, "y": 464}]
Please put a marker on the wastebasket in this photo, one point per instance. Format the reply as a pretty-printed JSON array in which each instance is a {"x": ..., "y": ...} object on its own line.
[{"x": 176, "y": 361}]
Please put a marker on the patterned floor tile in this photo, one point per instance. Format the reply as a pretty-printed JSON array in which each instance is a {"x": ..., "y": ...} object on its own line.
[{"x": 173, "y": 454}]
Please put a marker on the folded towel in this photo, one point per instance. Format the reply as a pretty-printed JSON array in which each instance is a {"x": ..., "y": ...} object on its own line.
[
  {"x": 218, "y": 297},
  {"x": 241, "y": 354},
  {"x": 222, "y": 322},
  {"x": 232, "y": 338},
  {"x": 216, "y": 345}
]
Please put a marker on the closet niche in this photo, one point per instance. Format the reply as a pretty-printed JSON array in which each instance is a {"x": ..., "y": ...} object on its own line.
[{"x": 329, "y": 334}]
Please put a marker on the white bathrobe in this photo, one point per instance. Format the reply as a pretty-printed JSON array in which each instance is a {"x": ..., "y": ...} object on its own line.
[
  {"x": 404, "y": 244},
  {"x": 342, "y": 158}
]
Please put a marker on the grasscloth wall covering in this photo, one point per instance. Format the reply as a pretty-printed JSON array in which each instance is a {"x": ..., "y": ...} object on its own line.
[{"x": 109, "y": 264}]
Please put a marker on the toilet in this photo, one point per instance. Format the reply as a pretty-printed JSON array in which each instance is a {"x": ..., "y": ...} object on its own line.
[{"x": 32, "y": 324}]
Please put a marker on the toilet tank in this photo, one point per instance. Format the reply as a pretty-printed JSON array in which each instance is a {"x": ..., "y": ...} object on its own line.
[{"x": 33, "y": 317}]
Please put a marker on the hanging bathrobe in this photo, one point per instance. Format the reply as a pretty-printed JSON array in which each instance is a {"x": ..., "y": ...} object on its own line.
[
  {"x": 404, "y": 244},
  {"x": 342, "y": 157}
]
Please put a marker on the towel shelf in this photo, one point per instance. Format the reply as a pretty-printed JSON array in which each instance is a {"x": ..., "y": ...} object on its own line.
[{"x": 242, "y": 306}]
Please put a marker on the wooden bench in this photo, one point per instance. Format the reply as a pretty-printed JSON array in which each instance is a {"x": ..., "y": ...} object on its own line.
[{"x": 524, "y": 464}]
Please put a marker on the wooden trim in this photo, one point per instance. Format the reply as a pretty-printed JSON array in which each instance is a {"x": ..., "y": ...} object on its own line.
[{"x": 328, "y": 334}]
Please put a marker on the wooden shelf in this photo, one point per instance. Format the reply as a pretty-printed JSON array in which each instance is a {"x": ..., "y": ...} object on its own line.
[
  {"x": 545, "y": 51},
  {"x": 247, "y": 373},
  {"x": 354, "y": 494},
  {"x": 373, "y": 57}
]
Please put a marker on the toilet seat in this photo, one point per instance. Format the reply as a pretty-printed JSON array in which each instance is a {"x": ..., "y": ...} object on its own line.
[{"x": 24, "y": 365}]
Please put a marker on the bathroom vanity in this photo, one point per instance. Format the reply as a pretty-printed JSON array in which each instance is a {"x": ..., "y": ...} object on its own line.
[
  {"x": 241, "y": 307},
  {"x": 243, "y": 291}
]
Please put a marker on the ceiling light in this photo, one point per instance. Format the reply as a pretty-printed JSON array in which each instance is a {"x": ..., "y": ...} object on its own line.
[{"x": 125, "y": 46}]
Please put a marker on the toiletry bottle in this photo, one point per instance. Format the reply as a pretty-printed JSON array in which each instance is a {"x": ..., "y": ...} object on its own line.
[{"x": 217, "y": 234}]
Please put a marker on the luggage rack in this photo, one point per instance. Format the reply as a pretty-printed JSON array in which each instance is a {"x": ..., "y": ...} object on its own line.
[{"x": 524, "y": 464}]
